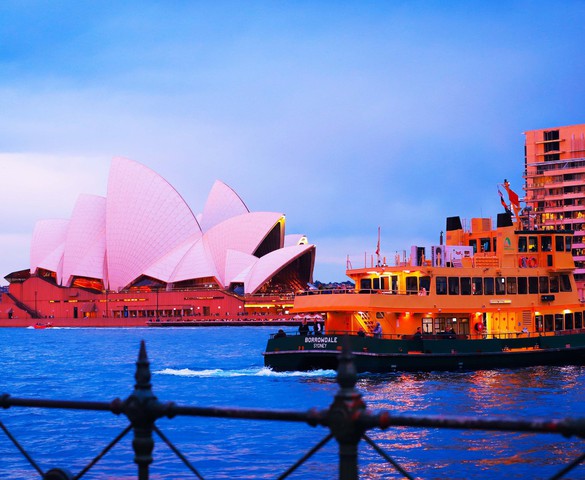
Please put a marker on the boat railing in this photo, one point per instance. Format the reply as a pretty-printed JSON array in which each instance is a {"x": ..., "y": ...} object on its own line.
[
  {"x": 424, "y": 336},
  {"x": 347, "y": 420},
  {"x": 440, "y": 335},
  {"x": 365, "y": 291}
]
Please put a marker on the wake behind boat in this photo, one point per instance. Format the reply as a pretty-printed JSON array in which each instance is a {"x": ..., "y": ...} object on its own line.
[{"x": 487, "y": 298}]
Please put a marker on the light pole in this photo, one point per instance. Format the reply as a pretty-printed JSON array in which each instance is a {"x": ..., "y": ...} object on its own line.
[{"x": 157, "y": 316}]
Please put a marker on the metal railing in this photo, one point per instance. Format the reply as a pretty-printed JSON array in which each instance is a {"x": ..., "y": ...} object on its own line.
[{"x": 347, "y": 419}]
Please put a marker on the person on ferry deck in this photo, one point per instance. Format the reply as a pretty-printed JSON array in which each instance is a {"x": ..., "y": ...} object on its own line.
[
  {"x": 378, "y": 331},
  {"x": 280, "y": 334},
  {"x": 418, "y": 333},
  {"x": 316, "y": 328},
  {"x": 304, "y": 328},
  {"x": 361, "y": 332}
]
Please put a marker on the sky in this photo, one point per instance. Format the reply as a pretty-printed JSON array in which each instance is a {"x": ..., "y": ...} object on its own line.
[{"x": 345, "y": 116}]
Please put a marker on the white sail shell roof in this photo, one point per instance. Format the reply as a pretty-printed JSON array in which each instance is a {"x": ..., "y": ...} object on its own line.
[
  {"x": 270, "y": 264},
  {"x": 197, "y": 263},
  {"x": 144, "y": 228},
  {"x": 163, "y": 268},
  {"x": 146, "y": 218},
  {"x": 295, "y": 239},
  {"x": 47, "y": 245},
  {"x": 222, "y": 203},
  {"x": 85, "y": 244},
  {"x": 237, "y": 266},
  {"x": 243, "y": 233}
]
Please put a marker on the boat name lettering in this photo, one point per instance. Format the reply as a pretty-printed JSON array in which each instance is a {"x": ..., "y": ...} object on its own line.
[{"x": 320, "y": 339}]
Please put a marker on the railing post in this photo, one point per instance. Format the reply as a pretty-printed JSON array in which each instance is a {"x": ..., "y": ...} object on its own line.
[
  {"x": 344, "y": 415},
  {"x": 139, "y": 407}
]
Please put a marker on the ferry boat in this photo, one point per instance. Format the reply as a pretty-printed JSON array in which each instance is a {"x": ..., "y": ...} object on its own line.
[{"x": 502, "y": 297}]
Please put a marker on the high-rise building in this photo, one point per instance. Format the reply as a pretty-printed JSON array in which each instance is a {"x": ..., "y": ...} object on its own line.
[{"x": 554, "y": 173}]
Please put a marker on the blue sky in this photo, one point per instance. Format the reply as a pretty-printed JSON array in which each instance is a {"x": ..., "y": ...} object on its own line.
[{"x": 345, "y": 116}]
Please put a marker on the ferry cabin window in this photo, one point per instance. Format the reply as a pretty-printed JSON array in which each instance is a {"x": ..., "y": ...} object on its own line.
[
  {"x": 558, "y": 321},
  {"x": 532, "y": 244},
  {"x": 569, "y": 325},
  {"x": 522, "y": 244},
  {"x": 500, "y": 286},
  {"x": 559, "y": 243},
  {"x": 453, "y": 285},
  {"x": 511, "y": 285},
  {"x": 485, "y": 245},
  {"x": 477, "y": 285},
  {"x": 366, "y": 284},
  {"x": 440, "y": 324},
  {"x": 441, "y": 285},
  {"x": 565, "y": 283},
  {"x": 546, "y": 243},
  {"x": 394, "y": 283},
  {"x": 463, "y": 326},
  {"x": 427, "y": 325},
  {"x": 425, "y": 284},
  {"x": 411, "y": 285},
  {"x": 554, "y": 285},
  {"x": 578, "y": 319},
  {"x": 532, "y": 284},
  {"x": 465, "y": 286},
  {"x": 522, "y": 285},
  {"x": 543, "y": 284},
  {"x": 473, "y": 243},
  {"x": 488, "y": 286},
  {"x": 538, "y": 322},
  {"x": 548, "y": 323},
  {"x": 376, "y": 283},
  {"x": 568, "y": 242}
]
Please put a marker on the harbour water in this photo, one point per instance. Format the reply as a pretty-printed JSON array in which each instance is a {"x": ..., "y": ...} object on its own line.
[{"x": 223, "y": 366}]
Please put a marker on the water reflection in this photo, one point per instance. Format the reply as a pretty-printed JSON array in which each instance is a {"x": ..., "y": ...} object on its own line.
[{"x": 538, "y": 392}]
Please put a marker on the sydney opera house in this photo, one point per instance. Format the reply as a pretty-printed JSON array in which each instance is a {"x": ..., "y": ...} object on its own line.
[{"x": 140, "y": 254}]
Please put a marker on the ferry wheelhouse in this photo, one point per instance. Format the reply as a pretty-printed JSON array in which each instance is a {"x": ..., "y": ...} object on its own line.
[{"x": 484, "y": 298}]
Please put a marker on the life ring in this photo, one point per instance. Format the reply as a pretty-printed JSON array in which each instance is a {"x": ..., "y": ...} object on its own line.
[
  {"x": 523, "y": 262},
  {"x": 478, "y": 327},
  {"x": 532, "y": 262}
]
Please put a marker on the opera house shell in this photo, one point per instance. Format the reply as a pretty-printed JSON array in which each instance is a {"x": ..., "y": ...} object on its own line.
[{"x": 144, "y": 237}]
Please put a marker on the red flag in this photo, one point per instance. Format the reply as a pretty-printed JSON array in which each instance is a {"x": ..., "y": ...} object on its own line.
[
  {"x": 514, "y": 200},
  {"x": 503, "y": 202}
]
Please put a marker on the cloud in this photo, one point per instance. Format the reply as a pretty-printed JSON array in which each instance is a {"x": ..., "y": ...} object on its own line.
[{"x": 344, "y": 118}]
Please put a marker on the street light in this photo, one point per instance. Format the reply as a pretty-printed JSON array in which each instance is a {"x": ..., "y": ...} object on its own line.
[{"x": 156, "y": 315}]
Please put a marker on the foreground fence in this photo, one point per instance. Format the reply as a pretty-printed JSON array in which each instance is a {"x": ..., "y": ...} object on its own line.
[{"x": 347, "y": 420}]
